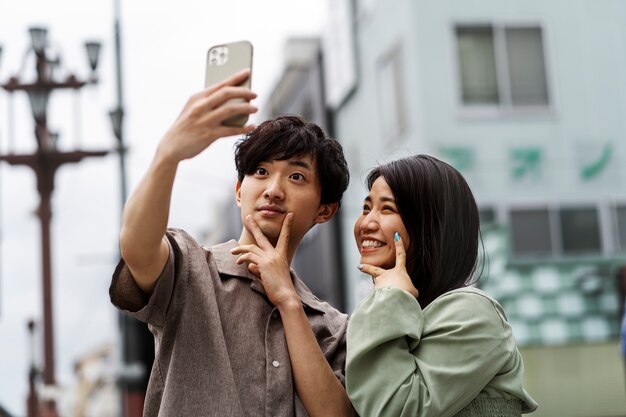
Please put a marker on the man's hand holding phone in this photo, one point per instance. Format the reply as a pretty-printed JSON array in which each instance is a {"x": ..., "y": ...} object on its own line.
[{"x": 201, "y": 121}]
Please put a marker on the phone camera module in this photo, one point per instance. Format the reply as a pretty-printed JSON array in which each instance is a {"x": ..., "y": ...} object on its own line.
[{"x": 218, "y": 55}]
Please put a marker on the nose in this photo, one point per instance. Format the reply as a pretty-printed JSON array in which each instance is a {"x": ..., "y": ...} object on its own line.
[
  {"x": 274, "y": 190},
  {"x": 369, "y": 221}
]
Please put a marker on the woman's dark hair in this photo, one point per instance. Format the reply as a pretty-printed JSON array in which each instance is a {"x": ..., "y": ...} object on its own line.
[
  {"x": 441, "y": 217},
  {"x": 287, "y": 136}
]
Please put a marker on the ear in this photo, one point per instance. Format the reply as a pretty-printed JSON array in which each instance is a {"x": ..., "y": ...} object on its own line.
[
  {"x": 238, "y": 193},
  {"x": 326, "y": 212}
]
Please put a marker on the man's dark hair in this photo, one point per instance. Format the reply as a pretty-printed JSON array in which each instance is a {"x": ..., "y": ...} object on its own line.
[
  {"x": 440, "y": 214},
  {"x": 287, "y": 136}
]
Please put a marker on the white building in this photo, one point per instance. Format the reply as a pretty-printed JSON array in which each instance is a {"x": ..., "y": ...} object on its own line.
[{"x": 527, "y": 99}]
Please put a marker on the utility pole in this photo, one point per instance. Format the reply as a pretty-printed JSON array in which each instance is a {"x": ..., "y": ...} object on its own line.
[
  {"x": 45, "y": 161},
  {"x": 137, "y": 341}
]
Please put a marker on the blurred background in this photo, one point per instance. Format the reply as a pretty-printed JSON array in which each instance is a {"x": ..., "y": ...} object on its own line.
[{"x": 525, "y": 98}]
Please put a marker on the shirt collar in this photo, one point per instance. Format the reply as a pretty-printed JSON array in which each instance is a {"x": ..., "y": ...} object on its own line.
[{"x": 227, "y": 265}]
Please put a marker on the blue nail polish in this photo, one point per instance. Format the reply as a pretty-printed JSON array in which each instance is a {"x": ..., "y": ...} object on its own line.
[
  {"x": 359, "y": 266},
  {"x": 396, "y": 236}
]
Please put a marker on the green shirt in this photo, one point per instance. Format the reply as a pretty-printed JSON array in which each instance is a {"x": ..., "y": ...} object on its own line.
[{"x": 407, "y": 361}]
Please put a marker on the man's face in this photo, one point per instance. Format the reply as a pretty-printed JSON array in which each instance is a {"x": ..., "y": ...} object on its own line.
[{"x": 279, "y": 187}]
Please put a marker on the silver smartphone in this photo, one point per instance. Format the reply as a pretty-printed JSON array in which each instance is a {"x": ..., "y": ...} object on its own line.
[{"x": 225, "y": 60}]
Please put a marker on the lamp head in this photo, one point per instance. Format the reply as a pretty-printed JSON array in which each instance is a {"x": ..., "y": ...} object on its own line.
[
  {"x": 93, "y": 53},
  {"x": 39, "y": 39}
]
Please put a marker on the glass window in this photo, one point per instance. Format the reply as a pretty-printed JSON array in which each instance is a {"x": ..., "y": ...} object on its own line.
[
  {"x": 477, "y": 60},
  {"x": 620, "y": 214},
  {"x": 530, "y": 232},
  {"x": 580, "y": 230},
  {"x": 487, "y": 215},
  {"x": 527, "y": 74},
  {"x": 502, "y": 66}
]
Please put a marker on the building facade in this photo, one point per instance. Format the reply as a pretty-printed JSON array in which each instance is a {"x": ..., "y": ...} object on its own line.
[{"x": 526, "y": 99}]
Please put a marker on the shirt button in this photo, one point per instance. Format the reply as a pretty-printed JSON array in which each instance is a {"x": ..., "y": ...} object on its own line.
[{"x": 275, "y": 364}]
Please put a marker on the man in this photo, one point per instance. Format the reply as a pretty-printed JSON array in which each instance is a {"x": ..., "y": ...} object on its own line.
[{"x": 235, "y": 333}]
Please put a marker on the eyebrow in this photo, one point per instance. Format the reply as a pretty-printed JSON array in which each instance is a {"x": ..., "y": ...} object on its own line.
[
  {"x": 384, "y": 199},
  {"x": 299, "y": 163}
]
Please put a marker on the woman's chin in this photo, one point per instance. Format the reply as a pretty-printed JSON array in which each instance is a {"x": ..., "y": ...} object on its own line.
[{"x": 369, "y": 260}]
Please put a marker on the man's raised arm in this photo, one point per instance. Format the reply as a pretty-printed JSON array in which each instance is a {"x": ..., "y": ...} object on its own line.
[{"x": 142, "y": 237}]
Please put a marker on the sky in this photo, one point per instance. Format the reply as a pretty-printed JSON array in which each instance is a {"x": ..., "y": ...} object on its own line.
[{"x": 164, "y": 50}]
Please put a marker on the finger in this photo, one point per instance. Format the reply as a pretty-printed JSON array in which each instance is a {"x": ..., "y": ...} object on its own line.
[
  {"x": 246, "y": 249},
  {"x": 283, "y": 239},
  {"x": 260, "y": 238},
  {"x": 234, "y": 79},
  {"x": 225, "y": 131},
  {"x": 249, "y": 258},
  {"x": 229, "y": 110},
  {"x": 374, "y": 271},
  {"x": 254, "y": 268},
  {"x": 223, "y": 95},
  {"x": 400, "y": 252}
]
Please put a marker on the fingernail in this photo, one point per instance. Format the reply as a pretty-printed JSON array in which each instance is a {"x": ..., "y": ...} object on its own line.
[
  {"x": 359, "y": 266},
  {"x": 396, "y": 236}
]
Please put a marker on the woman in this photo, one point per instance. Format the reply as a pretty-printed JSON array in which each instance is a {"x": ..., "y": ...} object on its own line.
[{"x": 424, "y": 343}]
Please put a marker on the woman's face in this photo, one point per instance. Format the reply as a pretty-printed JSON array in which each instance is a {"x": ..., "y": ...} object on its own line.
[{"x": 374, "y": 229}]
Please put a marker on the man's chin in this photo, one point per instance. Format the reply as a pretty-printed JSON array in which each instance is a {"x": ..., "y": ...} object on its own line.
[{"x": 270, "y": 231}]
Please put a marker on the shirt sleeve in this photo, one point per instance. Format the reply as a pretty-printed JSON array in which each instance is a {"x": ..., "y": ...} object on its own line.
[
  {"x": 152, "y": 309},
  {"x": 335, "y": 347},
  {"x": 403, "y": 363}
]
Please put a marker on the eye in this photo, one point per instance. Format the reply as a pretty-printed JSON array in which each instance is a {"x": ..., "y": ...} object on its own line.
[
  {"x": 260, "y": 171},
  {"x": 389, "y": 209},
  {"x": 366, "y": 209},
  {"x": 297, "y": 176}
]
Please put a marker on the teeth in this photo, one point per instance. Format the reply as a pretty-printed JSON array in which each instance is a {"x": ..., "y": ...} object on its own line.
[{"x": 372, "y": 244}]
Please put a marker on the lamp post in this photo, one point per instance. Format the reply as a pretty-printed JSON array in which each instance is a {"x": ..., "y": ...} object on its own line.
[{"x": 45, "y": 161}]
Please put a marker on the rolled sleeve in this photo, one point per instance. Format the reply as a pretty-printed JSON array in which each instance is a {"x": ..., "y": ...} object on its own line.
[{"x": 126, "y": 295}]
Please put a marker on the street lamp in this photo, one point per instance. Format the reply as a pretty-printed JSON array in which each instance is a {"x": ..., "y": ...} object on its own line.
[
  {"x": 38, "y": 40},
  {"x": 45, "y": 161},
  {"x": 93, "y": 53}
]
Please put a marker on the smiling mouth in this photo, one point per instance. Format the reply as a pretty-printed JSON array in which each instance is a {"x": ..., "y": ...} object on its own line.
[{"x": 368, "y": 245}]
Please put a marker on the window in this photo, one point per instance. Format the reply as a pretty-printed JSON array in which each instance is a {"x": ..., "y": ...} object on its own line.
[
  {"x": 580, "y": 230},
  {"x": 487, "y": 215},
  {"x": 477, "y": 60},
  {"x": 391, "y": 94},
  {"x": 562, "y": 231},
  {"x": 530, "y": 232},
  {"x": 620, "y": 217},
  {"x": 502, "y": 66}
]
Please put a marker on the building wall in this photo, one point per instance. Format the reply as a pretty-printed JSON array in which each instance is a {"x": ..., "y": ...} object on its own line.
[
  {"x": 584, "y": 45},
  {"x": 584, "y": 42},
  {"x": 553, "y": 377},
  {"x": 585, "y": 62}
]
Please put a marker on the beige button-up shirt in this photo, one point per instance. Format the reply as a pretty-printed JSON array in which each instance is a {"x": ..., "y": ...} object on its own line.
[{"x": 220, "y": 346}]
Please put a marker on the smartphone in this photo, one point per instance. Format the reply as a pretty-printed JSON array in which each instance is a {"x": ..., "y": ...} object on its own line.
[{"x": 225, "y": 60}]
